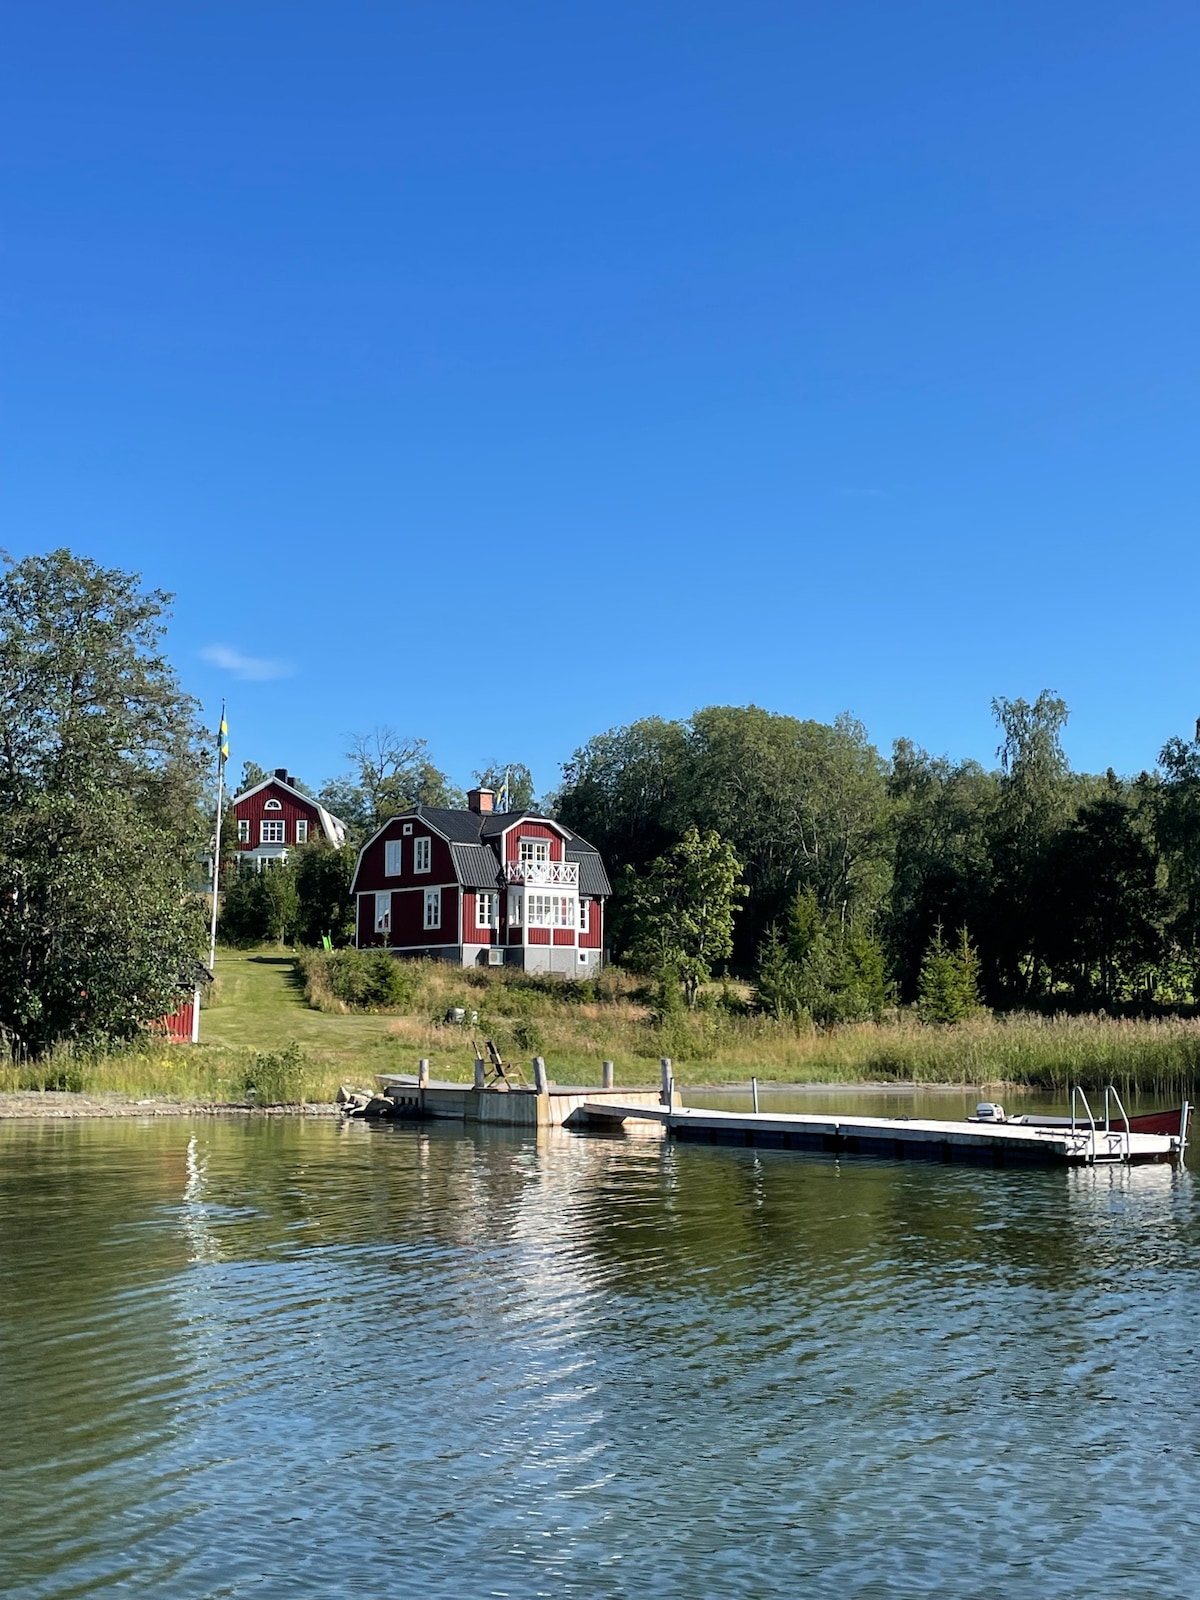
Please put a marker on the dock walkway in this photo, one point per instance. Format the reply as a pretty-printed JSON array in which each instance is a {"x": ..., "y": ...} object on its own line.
[{"x": 908, "y": 1138}]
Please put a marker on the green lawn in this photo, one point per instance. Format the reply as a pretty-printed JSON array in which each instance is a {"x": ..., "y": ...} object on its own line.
[{"x": 261, "y": 1007}]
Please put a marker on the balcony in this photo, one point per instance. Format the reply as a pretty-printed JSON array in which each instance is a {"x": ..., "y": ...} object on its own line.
[{"x": 544, "y": 874}]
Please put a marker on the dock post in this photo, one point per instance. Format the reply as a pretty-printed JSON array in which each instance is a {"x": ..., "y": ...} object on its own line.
[
  {"x": 754, "y": 1093},
  {"x": 606, "y": 1074},
  {"x": 423, "y": 1073},
  {"x": 667, "y": 1095},
  {"x": 540, "y": 1081},
  {"x": 479, "y": 1072}
]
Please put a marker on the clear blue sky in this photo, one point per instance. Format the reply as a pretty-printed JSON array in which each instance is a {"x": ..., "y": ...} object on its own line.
[{"x": 505, "y": 372}]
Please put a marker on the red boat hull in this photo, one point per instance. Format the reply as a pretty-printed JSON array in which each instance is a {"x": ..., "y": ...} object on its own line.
[{"x": 1155, "y": 1122}]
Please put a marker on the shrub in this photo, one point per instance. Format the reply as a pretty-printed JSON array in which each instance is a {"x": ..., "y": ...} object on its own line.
[
  {"x": 361, "y": 980},
  {"x": 276, "y": 1078}
]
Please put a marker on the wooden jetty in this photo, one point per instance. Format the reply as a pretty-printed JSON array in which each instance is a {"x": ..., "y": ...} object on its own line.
[
  {"x": 908, "y": 1138},
  {"x": 542, "y": 1104}
]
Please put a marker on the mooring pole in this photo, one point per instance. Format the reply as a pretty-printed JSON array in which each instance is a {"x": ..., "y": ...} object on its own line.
[
  {"x": 423, "y": 1073},
  {"x": 754, "y": 1092},
  {"x": 606, "y": 1074},
  {"x": 479, "y": 1071},
  {"x": 540, "y": 1081},
  {"x": 668, "y": 1082}
]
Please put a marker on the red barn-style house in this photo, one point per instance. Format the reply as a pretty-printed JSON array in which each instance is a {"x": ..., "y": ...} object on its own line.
[
  {"x": 483, "y": 887},
  {"x": 274, "y": 817}
]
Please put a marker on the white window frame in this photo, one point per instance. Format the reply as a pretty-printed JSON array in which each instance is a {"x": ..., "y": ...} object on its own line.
[
  {"x": 383, "y": 911},
  {"x": 243, "y": 830},
  {"x": 423, "y": 854},
  {"x": 276, "y": 835},
  {"x": 272, "y": 805},
  {"x": 393, "y": 858},
  {"x": 485, "y": 908},
  {"x": 433, "y": 909},
  {"x": 549, "y": 911},
  {"x": 406, "y": 829},
  {"x": 301, "y": 830},
  {"x": 584, "y": 917},
  {"x": 533, "y": 852},
  {"x": 514, "y": 908}
]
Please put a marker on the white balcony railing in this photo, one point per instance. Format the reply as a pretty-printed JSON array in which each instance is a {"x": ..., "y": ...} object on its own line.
[{"x": 548, "y": 874}]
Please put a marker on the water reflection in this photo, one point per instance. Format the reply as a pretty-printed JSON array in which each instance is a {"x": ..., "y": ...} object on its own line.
[{"x": 301, "y": 1357}]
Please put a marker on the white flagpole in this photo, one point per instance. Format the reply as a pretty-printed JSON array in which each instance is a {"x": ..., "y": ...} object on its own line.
[{"x": 216, "y": 863}]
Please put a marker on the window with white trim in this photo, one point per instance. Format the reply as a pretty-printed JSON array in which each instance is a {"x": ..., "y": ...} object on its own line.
[
  {"x": 383, "y": 911},
  {"x": 485, "y": 909},
  {"x": 422, "y": 853},
  {"x": 392, "y": 852},
  {"x": 302, "y": 831},
  {"x": 583, "y": 915},
  {"x": 243, "y": 830},
  {"x": 433, "y": 908},
  {"x": 534, "y": 852},
  {"x": 273, "y": 805},
  {"x": 270, "y": 830},
  {"x": 550, "y": 910},
  {"x": 514, "y": 908}
]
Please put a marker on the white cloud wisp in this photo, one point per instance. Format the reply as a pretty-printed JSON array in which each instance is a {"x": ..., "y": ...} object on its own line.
[{"x": 253, "y": 669}]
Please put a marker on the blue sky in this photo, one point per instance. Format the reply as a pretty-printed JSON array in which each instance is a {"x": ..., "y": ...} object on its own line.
[{"x": 507, "y": 372}]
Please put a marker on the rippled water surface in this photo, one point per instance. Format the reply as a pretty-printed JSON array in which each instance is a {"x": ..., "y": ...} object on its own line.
[{"x": 294, "y": 1358}]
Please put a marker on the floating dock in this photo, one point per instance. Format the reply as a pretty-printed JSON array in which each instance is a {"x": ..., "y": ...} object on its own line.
[{"x": 905, "y": 1138}]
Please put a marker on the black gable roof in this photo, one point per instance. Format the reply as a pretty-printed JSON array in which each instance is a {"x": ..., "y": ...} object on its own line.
[
  {"x": 476, "y": 866},
  {"x": 460, "y": 827},
  {"x": 473, "y": 837}
]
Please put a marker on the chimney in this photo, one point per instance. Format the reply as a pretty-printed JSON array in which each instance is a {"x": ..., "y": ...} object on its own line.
[
  {"x": 481, "y": 800},
  {"x": 281, "y": 774}
]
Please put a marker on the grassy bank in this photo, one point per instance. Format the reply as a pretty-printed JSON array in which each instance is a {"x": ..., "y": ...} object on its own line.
[{"x": 266, "y": 1039}]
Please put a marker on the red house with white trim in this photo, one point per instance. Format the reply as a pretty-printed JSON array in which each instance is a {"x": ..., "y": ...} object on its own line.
[
  {"x": 274, "y": 817},
  {"x": 483, "y": 888}
]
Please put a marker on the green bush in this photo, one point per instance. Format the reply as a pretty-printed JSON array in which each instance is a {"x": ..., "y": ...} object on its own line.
[
  {"x": 276, "y": 1078},
  {"x": 362, "y": 980},
  {"x": 528, "y": 1036}
]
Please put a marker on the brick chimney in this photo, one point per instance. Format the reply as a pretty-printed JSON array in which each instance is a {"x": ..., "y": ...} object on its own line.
[
  {"x": 481, "y": 800},
  {"x": 282, "y": 774}
]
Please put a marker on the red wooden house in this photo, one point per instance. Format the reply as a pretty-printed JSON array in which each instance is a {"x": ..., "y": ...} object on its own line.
[
  {"x": 274, "y": 817},
  {"x": 483, "y": 887}
]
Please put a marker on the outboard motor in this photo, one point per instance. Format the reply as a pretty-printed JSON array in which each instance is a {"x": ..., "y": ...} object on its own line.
[{"x": 986, "y": 1111}]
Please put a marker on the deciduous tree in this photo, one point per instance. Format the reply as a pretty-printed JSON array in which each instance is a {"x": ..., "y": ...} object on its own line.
[
  {"x": 682, "y": 910},
  {"x": 101, "y": 778}
]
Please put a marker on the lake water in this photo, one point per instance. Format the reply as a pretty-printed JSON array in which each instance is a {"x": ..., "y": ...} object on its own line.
[{"x": 250, "y": 1358}]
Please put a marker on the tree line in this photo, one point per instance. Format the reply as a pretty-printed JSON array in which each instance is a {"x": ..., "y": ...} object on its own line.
[{"x": 1045, "y": 886}]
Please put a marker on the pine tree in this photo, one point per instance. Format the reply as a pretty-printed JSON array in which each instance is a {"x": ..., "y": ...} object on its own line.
[{"x": 949, "y": 984}]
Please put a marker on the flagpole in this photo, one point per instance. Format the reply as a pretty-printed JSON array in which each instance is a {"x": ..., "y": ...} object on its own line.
[{"x": 222, "y": 753}]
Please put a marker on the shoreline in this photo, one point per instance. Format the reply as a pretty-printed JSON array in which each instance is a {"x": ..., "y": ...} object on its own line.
[{"x": 63, "y": 1105}]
